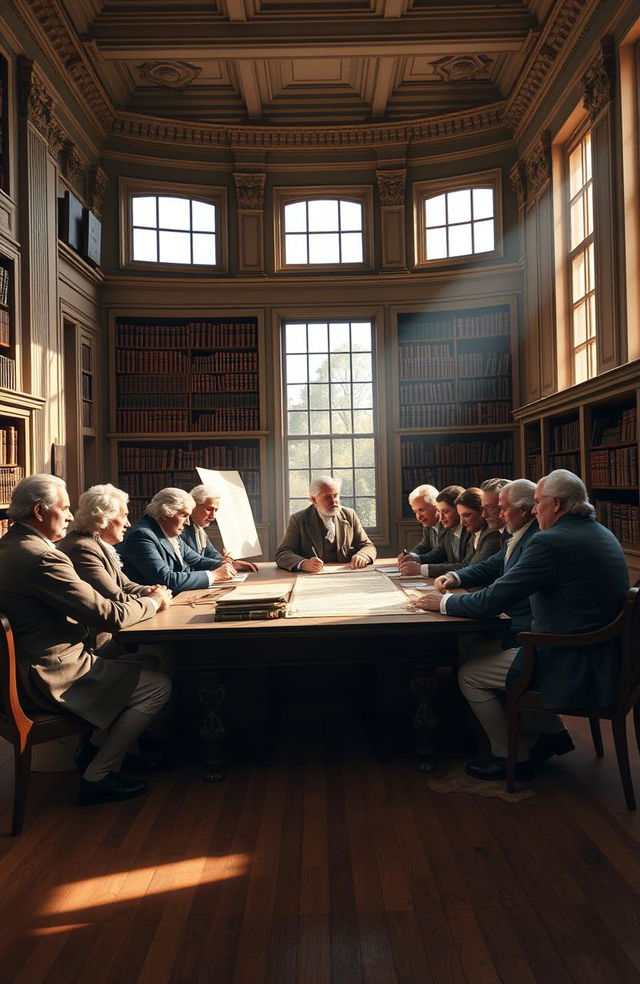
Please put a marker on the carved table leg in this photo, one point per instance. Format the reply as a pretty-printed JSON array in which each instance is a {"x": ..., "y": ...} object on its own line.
[
  {"x": 211, "y": 694},
  {"x": 425, "y": 722}
]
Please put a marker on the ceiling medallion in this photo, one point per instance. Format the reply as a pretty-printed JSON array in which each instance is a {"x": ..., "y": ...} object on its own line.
[
  {"x": 171, "y": 74},
  {"x": 462, "y": 68}
]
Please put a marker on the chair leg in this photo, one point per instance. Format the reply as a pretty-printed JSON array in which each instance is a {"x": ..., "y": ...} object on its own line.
[
  {"x": 619, "y": 729},
  {"x": 512, "y": 743},
  {"x": 22, "y": 772},
  {"x": 636, "y": 722},
  {"x": 596, "y": 734}
]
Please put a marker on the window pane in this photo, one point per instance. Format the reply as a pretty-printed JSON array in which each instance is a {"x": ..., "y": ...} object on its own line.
[
  {"x": 318, "y": 338},
  {"x": 575, "y": 171},
  {"x": 459, "y": 205},
  {"x": 320, "y": 456},
  {"x": 366, "y": 481},
  {"x": 577, "y": 223},
  {"x": 318, "y": 368},
  {"x": 296, "y": 369},
  {"x": 340, "y": 396},
  {"x": 295, "y": 505},
  {"x": 435, "y": 211},
  {"x": 366, "y": 510},
  {"x": 339, "y": 336},
  {"x": 483, "y": 203},
  {"x": 174, "y": 213},
  {"x": 460, "y": 240},
  {"x": 297, "y": 398},
  {"x": 436, "y": 244},
  {"x": 204, "y": 248},
  {"x": 591, "y": 275},
  {"x": 319, "y": 422},
  {"x": 587, "y": 158},
  {"x": 175, "y": 247},
  {"x": 363, "y": 421},
  {"x": 352, "y": 248},
  {"x": 203, "y": 216},
  {"x": 324, "y": 247},
  {"x": 340, "y": 368},
  {"x": 580, "y": 324},
  {"x": 345, "y": 475},
  {"x": 363, "y": 450},
  {"x": 342, "y": 453},
  {"x": 298, "y": 422},
  {"x": 483, "y": 237},
  {"x": 362, "y": 395},
  {"x": 341, "y": 422},
  {"x": 578, "y": 277},
  {"x": 362, "y": 367},
  {"x": 298, "y": 483},
  {"x": 295, "y": 338},
  {"x": 143, "y": 210},
  {"x": 350, "y": 216},
  {"x": 591, "y": 323},
  {"x": 588, "y": 219},
  {"x": 361, "y": 336},
  {"x": 581, "y": 366},
  {"x": 298, "y": 454},
  {"x": 295, "y": 248},
  {"x": 295, "y": 217},
  {"x": 323, "y": 215},
  {"x": 145, "y": 245},
  {"x": 319, "y": 397}
]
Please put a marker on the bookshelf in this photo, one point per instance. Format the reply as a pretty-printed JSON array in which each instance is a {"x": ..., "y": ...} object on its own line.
[
  {"x": 16, "y": 444},
  {"x": 7, "y": 324},
  {"x": 186, "y": 393},
  {"x": 612, "y": 466}
]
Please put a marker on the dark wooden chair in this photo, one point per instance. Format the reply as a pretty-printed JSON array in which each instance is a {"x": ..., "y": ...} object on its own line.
[
  {"x": 26, "y": 727},
  {"x": 627, "y": 628}
]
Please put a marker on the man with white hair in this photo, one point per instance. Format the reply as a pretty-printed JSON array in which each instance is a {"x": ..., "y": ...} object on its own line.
[
  {"x": 423, "y": 501},
  {"x": 51, "y": 611},
  {"x": 207, "y": 503},
  {"x": 324, "y": 533},
  {"x": 560, "y": 572},
  {"x": 153, "y": 553}
]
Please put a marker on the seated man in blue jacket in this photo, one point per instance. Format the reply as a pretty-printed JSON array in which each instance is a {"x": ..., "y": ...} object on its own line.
[
  {"x": 153, "y": 552},
  {"x": 207, "y": 503},
  {"x": 560, "y": 572}
]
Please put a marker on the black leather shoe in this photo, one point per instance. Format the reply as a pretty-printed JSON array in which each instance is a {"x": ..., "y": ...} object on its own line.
[
  {"x": 113, "y": 787},
  {"x": 496, "y": 768},
  {"x": 547, "y": 745},
  {"x": 140, "y": 763}
]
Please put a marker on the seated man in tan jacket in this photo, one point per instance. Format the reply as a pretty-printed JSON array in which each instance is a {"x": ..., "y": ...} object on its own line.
[
  {"x": 52, "y": 611},
  {"x": 324, "y": 533}
]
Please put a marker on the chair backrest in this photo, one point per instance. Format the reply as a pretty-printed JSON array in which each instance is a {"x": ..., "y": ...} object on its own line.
[
  {"x": 11, "y": 712},
  {"x": 629, "y": 678}
]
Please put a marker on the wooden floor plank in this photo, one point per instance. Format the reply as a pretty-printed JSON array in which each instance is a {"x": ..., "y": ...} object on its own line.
[
  {"x": 475, "y": 957},
  {"x": 313, "y": 963},
  {"x": 378, "y": 964}
]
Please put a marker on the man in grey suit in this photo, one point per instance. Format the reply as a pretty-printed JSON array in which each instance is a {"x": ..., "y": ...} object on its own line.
[
  {"x": 325, "y": 532},
  {"x": 424, "y": 502},
  {"x": 50, "y": 610},
  {"x": 560, "y": 571}
]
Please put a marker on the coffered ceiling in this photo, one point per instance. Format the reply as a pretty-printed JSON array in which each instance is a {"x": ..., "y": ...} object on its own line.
[{"x": 304, "y": 62}]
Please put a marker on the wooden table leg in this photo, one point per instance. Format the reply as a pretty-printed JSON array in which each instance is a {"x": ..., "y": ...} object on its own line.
[
  {"x": 425, "y": 722},
  {"x": 211, "y": 694}
]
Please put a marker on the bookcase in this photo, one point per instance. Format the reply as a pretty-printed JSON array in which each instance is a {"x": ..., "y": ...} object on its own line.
[
  {"x": 453, "y": 413},
  {"x": 7, "y": 324},
  {"x": 16, "y": 444},
  {"x": 187, "y": 393}
]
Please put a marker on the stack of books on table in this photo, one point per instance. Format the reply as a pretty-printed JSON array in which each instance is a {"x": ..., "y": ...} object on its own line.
[{"x": 252, "y": 601}]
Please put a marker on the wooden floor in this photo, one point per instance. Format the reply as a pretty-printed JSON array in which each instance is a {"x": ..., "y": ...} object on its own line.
[{"x": 327, "y": 866}]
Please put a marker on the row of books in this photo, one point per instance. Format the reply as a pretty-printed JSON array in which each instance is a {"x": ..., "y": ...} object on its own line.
[
  {"x": 569, "y": 461},
  {"x": 496, "y": 387},
  {"x": 621, "y": 431},
  {"x": 7, "y": 373},
  {"x": 5, "y": 326},
  {"x": 622, "y": 519},
  {"x": 452, "y": 414},
  {"x": 427, "y": 368},
  {"x": 565, "y": 436},
  {"x": 221, "y": 457},
  {"x": 469, "y": 476},
  {"x": 485, "y": 364},
  {"x": 226, "y": 362},
  {"x": 207, "y": 401},
  {"x": 456, "y": 452},
  {"x": 128, "y": 360},
  {"x": 229, "y": 419},
  {"x": 177, "y": 401},
  {"x": 618, "y": 466},
  {"x": 483, "y": 325},
  {"x": 442, "y": 392},
  {"x": 147, "y": 421},
  {"x": 8, "y": 446},
  {"x": 534, "y": 464},
  {"x": 196, "y": 334},
  {"x": 420, "y": 326},
  {"x": 131, "y": 383},
  {"x": 469, "y": 364},
  {"x": 146, "y": 484},
  {"x": 5, "y": 280},
  {"x": 239, "y": 381},
  {"x": 9, "y": 478}
]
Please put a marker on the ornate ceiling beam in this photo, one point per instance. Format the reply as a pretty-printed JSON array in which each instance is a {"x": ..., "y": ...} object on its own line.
[
  {"x": 383, "y": 87},
  {"x": 249, "y": 88}
]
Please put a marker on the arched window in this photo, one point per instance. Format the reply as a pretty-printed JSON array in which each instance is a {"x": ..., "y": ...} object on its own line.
[
  {"x": 457, "y": 220},
  {"x": 323, "y": 228}
]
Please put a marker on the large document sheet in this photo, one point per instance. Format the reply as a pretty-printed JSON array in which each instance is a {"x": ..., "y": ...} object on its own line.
[
  {"x": 366, "y": 593},
  {"x": 234, "y": 517}
]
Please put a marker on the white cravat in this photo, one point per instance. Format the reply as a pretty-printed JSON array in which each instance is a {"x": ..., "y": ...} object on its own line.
[
  {"x": 330, "y": 527},
  {"x": 201, "y": 537},
  {"x": 514, "y": 539},
  {"x": 173, "y": 540}
]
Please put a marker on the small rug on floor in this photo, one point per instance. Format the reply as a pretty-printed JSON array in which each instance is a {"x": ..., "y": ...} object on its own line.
[{"x": 452, "y": 779}]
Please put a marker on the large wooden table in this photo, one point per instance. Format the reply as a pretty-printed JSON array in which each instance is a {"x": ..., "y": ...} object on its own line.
[{"x": 210, "y": 648}]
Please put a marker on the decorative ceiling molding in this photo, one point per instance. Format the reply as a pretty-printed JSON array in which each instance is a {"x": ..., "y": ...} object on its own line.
[
  {"x": 391, "y": 187},
  {"x": 518, "y": 175},
  {"x": 598, "y": 83},
  {"x": 462, "y": 68},
  {"x": 36, "y": 102},
  {"x": 96, "y": 189},
  {"x": 169, "y": 74}
]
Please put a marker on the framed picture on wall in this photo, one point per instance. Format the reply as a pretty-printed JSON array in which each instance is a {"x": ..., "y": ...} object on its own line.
[
  {"x": 71, "y": 220},
  {"x": 92, "y": 237}
]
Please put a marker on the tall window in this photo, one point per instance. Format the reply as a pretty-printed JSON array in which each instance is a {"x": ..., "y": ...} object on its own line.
[
  {"x": 323, "y": 231},
  {"x": 582, "y": 260},
  {"x": 329, "y": 421},
  {"x": 173, "y": 230}
]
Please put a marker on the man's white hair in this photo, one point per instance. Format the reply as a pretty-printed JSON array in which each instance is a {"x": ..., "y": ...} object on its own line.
[
  {"x": 200, "y": 493},
  {"x": 35, "y": 490},
  {"x": 320, "y": 482},
  {"x": 520, "y": 493},
  {"x": 97, "y": 507},
  {"x": 427, "y": 492},
  {"x": 571, "y": 491},
  {"x": 167, "y": 502}
]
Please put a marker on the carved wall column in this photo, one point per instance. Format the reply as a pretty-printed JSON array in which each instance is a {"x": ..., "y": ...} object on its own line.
[
  {"x": 391, "y": 190},
  {"x": 598, "y": 92},
  {"x": 250, "y": 198}
]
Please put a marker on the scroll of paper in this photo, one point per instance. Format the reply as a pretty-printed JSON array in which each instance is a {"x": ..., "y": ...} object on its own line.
[{"x": 234, "y": 516}]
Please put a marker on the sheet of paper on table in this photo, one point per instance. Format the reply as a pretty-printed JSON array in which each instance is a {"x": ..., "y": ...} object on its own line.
[
  {"x": 369, "y": 594},
  {"x": 234, "y": 517},
  {"x": 388, "y": 570}
]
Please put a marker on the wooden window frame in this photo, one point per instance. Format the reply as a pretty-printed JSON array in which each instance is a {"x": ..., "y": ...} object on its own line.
[
  {"x": 362, "y": 194},
  {"x": 570, "y": 254}
]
